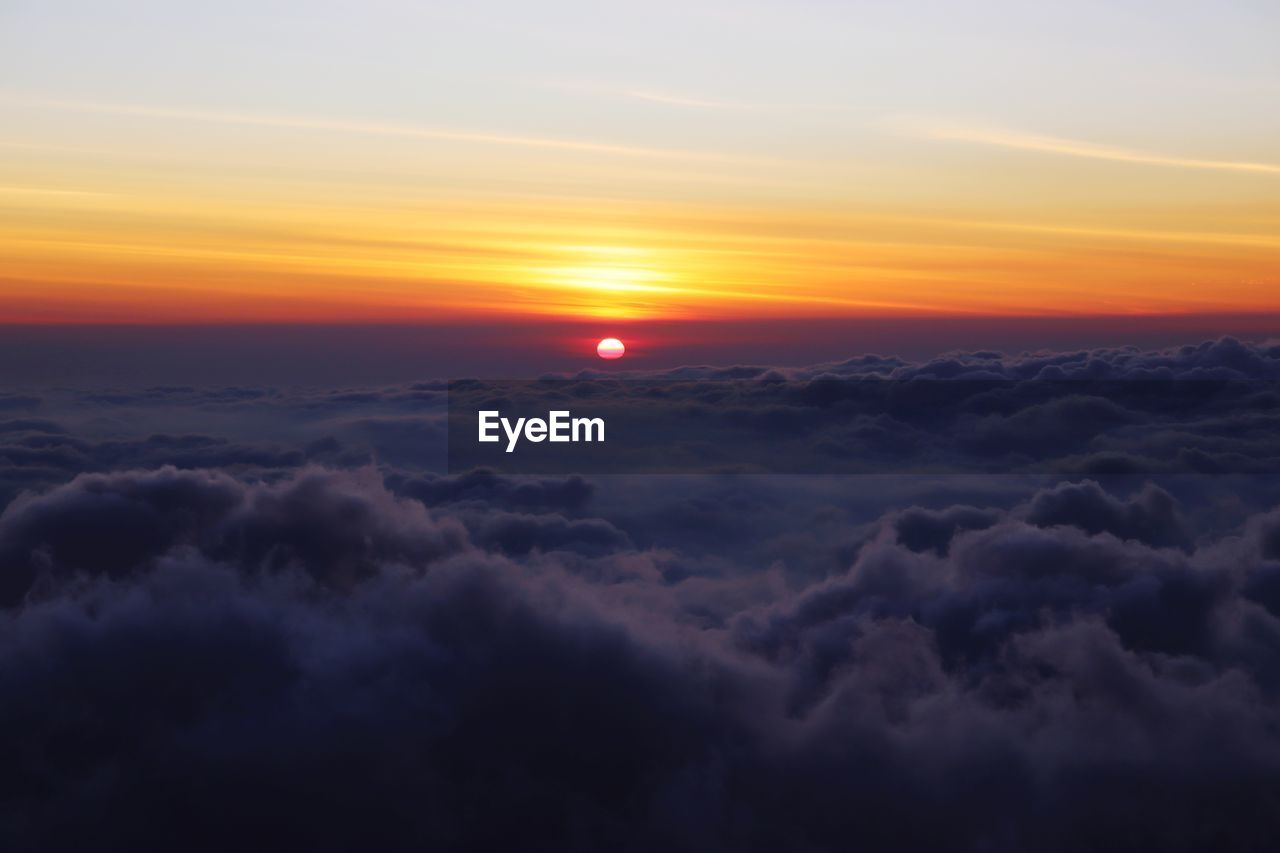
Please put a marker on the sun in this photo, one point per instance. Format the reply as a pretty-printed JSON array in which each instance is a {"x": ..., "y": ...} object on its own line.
[{"x": 610, "y": 348}]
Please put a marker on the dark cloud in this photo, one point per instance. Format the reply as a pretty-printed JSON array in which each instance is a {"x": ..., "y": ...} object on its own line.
[
  {"x": 30, "y": 425},
  {"x": 1223, "y": 359},
  {"x": 17, "y": 402},
  {"x": 1038, "y": 687},
  {"x": 1212, "y": 408},
  {"x": 246, "y": 647},
  {"x": 1152, "y": 516},
  {"x": 923, "y": 529},
  {"x": 1226, "y": 358},
  {"x": 329, "y": 524},
  {"x": 489, "y": 489},
  {"x": 520, "y": 534},
  {"x": 51, "y": 455}
]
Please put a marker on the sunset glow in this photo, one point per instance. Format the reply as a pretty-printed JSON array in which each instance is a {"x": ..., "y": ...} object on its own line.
[{"x": 208, "y": 199}]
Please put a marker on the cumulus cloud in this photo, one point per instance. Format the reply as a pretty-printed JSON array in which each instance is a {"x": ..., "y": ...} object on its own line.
[
  {"x": 1210, "y": 408},
  {"x": 248, "y": 650},
  {"x": 335, "y": 526},
  {"x": 353, "y": 655}
]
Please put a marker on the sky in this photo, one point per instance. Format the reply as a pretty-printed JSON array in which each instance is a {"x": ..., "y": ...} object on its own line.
[
  {"x": 245, "y": 590},
  {"x": 283, "y": 162}
]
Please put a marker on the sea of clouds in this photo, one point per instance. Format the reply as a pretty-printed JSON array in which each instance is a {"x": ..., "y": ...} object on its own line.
[{"x": 264, "y": 617}]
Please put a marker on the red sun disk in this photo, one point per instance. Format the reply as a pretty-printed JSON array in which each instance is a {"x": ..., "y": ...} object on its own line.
[{"x": 610, "y": 348}]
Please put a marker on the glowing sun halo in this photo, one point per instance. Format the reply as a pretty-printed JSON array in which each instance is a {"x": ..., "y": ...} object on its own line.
[{"x": 610, "y": 348}]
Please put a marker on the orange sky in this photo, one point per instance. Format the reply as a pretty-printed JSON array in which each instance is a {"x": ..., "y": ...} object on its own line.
[
  {"x": 125, "y": 252},
  {"x": 128, "y": 204}
]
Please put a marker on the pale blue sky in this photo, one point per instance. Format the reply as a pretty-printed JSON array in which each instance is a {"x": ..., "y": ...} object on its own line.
[{"x": 1125, "y": 73}]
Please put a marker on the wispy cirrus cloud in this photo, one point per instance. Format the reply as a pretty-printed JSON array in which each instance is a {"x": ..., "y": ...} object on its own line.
[
  {"x": 692, "y": 100},
  {"x": 1024, "y": 141},
  {"x": 359, "y": 127},
  {"x": 679, "y": 100}
]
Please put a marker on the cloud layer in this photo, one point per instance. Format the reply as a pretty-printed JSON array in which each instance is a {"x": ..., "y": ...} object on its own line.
[{"x": 319, "y": 648}]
